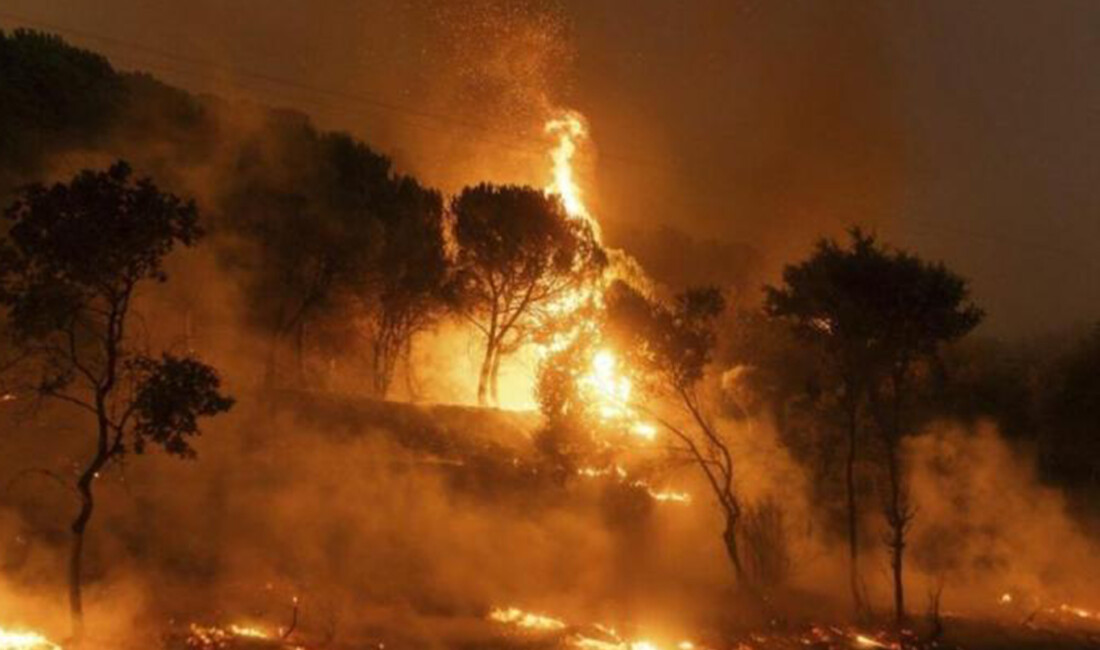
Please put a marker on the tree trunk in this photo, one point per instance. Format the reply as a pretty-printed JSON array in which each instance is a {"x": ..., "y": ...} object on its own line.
[
  {"x": 898, "y": 518},
  {"x": 853, "y": 514},
  {"x": 483, "y": 376},
  {"x": 494, "y": 379},
  {"x": 729, "y": 536},
  {"x": 898, "y": 511},
  {"x": 76, "y": 556},
  {"x": 79, "y": 527},
  {"x": 897, "y": 549}
]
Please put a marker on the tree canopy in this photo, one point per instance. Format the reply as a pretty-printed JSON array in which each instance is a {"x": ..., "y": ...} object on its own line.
[
  {"x": 70, "y": 268},
  {"x": 519, "y": 256}
]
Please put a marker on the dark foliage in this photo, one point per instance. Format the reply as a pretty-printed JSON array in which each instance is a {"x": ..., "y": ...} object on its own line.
[{"x": 518, "y": 253}]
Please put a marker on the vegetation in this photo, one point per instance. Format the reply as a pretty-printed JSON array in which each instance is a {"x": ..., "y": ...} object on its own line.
[
  {"x": 519, "y": 257},
  {"x": 75, "y": 257},
  {"x": 331, "y": 251},
  {"x": 875, "y": 315}
]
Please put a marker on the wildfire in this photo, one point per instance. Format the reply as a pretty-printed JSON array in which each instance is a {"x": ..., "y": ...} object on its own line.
[
  {"x": 606, "y": 385},
  {"x": 617, "y": 643},
  {"x": 568, "y": 130},
  {"x": 526, "y": 620},
  {"x": 868, "y": 642},
  {"x": 1079, "y": 612},
  {"x": 670, "y": 496},
  {"x": 203, "y": 637},
  {"x": 612, "y": 389},
  {"x": 25, "y": 640},
  {"x": 605, "y": 637}
]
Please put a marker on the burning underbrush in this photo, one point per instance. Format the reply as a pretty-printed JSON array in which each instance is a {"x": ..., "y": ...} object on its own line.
[{"x": 413, "y": 535}]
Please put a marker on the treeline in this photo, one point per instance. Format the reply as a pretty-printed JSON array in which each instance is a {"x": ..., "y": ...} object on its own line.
[
  {"x": 857, "y": 347},
  {"x": 333, "y": 251},
  {"x": 309, "y": 221}
]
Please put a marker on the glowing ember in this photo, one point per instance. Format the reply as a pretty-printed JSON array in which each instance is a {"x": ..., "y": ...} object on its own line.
[
  {"x": 868, "y": 642},
  {"x": 214, "y": 638},
  {"x": 526, "y": 620},
  {"x": 588, "y": 643},
  {"x": 617, "y": 643},
  {"x": 1006, "y": 598},
  {"x": 675, "y": 497},
  {"x": 671, "y": 496},
  {"x": 24, "y": 640},
  {"x": 250, "y": 632},
  {"x": 1079, "y": 612}
]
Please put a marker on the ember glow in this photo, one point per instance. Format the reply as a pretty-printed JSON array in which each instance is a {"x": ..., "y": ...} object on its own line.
[
  {"x": 1079, "y": 612},
  {"x": 11, "y": 639},
  {"x": 526, "y": 620},
  {"x": 867, "y": 642},
  {"x": 203, "y": 637}
]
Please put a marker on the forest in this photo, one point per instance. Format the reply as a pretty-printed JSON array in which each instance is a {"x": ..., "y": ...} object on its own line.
[{"x": 260, "y": 388}]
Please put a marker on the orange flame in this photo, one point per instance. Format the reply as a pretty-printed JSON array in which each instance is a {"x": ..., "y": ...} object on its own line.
[
  {"x": 25, "y": 640},
  {"x": 606, "y": 386},
  {"x": 569, "y": 130}
]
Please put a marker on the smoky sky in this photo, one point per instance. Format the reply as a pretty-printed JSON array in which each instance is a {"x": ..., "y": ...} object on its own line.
[{"x": 967, "y": 132}]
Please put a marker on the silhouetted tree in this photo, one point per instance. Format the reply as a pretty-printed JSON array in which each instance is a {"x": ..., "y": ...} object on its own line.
[
  {"x": 674, "y": 345},
  {"x": 70, "y": 268},
  {"x": 876, "y": 313},
  {"x": 825, "y": 300},
  {"x": 519, "y": 255},
  {"x": 304, "y": 208},
  {"x": 53, "y": 96},
  {"x": 1069, "y": 448},
  {"x": 919, "y": 306},
  {"x": 409, "y": 279}
]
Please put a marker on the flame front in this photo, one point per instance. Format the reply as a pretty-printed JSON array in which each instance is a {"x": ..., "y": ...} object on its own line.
[
  {"x": 527, "y": 620},
  {"x": 605, "y": 385},
  {"x": 25, "y": 640}
]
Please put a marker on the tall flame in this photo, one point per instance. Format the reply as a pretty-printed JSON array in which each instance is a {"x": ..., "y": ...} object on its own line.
[
  {"x": 569, "y": 131},
  {"x": 606, "y": 385}
]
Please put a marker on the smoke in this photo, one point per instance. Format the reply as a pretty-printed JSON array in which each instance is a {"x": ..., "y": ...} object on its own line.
[
  {"x": 403, "y": 524},
  {"x": 986, "y": 525}
]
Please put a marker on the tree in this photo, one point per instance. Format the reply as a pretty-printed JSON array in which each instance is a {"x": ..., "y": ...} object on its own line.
[
  {"x": 74, "y": 259},
  {"x": 674, "y": 345},
  {"x": 919, "y": 307},
  {"x": 824, "y": 299},
  {"x": 569, "y": 416},
  {"x": 409, "y": 283},
  {"x": 53, "y": 97},
  {"x": 875, "y": 313},
  {"x": 307, "y": 231},
  {"x": 1069, "y": 449},
  {"x": 520, "y": 258}
]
